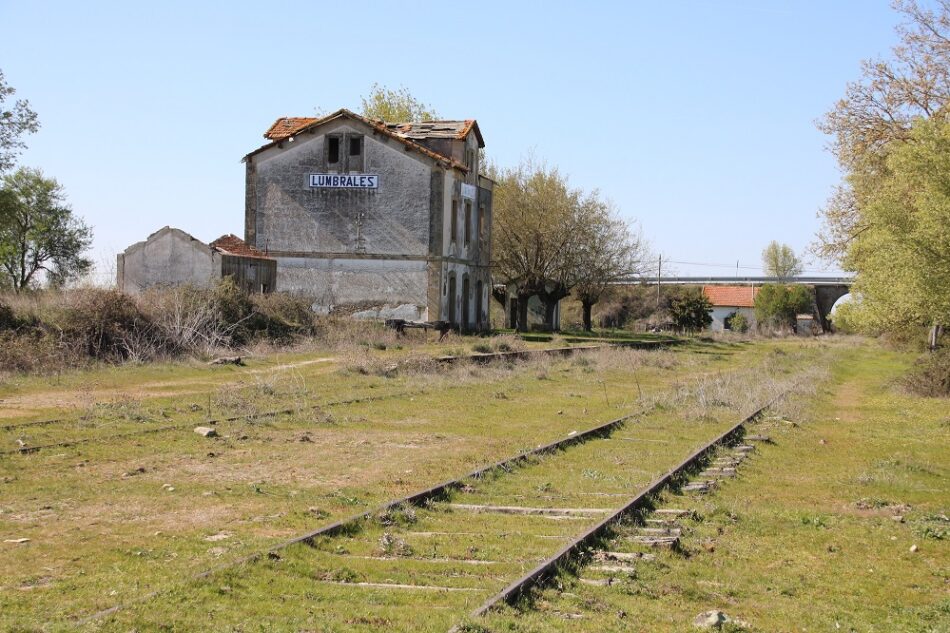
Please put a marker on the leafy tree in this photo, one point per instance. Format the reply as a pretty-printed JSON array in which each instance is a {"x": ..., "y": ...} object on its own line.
[
  {"x": 535, "y": 226},
  {"x": 16, "y": 119},
  {"x": 395, "y": 106},
  {"x": 880, "y": 116},
  {"x": 779, "y": 260},
  {"x": 38, "y": 232},
  {"x": 691, "y": 310},
  {"x": 903, "y": 259},
  {"x": 778, "y": 304}
]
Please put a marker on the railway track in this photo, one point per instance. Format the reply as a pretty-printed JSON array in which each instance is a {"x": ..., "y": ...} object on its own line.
[
  {"x": 480, "y": 358},
  {"x": 455, "y": 547},
  {"x": 667, "y": 535}
]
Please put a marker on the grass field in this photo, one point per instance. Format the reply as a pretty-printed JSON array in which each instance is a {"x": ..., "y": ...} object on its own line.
[
  {"x": 126, "y": 512},
  {"x": 841, "y": 524}
]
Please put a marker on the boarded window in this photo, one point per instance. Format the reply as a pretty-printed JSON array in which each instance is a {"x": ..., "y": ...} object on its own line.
[
  {"x": 481, "y": 222},
  {"x": 333, "y": 149}
]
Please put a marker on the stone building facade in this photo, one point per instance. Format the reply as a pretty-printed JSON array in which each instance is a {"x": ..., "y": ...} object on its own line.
[
  {"x": 375, "y": 219},
  {"x": 172, "y": 257}
]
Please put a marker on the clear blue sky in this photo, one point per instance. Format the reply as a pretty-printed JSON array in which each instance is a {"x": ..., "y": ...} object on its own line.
[{"x": 695, "y": 118}]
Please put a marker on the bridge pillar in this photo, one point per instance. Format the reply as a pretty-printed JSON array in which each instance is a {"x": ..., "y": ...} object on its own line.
[{"x": 825, "y": 297}]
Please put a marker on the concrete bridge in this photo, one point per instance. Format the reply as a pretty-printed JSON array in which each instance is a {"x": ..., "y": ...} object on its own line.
[{"x": 827, "y": 289}]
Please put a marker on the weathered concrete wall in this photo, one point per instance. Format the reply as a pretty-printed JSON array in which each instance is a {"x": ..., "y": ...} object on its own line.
[
  {"x": 390, "y": 247},
  {"x": 168, "y": 257},
  {"x": 388, "y": 285},
  {"x": 291, "y": 217}
]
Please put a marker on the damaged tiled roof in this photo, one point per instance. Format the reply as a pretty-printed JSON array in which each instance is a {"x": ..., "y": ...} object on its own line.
[
  {"x": 231, "y": 244},
  {"x": 285, "y": 127},
  {"x": 731, "y": 296},
  {"x": 437, "y": 129}
]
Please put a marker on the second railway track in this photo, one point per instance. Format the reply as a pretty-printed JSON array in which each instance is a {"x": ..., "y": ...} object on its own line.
[{"x": 13, "y": 430}]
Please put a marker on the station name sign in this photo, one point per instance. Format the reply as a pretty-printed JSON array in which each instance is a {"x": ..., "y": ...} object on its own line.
[{"x": 344, "y": 181}]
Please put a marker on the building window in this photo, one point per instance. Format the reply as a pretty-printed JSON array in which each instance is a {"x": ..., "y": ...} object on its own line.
[
  {"x": 468, "y": 222},
  {"x": 333, "y": 150},
  {"x": 481, "y": 221},
  {"x": 356, "y": 145},
  {"x": 455, "y": 220}
]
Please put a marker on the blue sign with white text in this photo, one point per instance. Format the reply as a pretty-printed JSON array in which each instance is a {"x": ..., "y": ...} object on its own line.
[{"x": 344, "y": 181}]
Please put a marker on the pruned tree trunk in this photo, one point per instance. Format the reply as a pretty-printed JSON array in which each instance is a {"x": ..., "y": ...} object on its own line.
[
  {"x": 550, "y": 307},
  {"x": 500, "y": 295},
  {"x": 935, "y": 331},
  {"x": 522, "y": 324},
  {"x": 587, "y": 306}
]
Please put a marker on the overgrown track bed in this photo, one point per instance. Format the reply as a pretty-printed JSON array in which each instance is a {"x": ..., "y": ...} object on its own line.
[
  {"x": 548, "y": 568},
  {"x": 132, "y": 429},
  {"x": 451, "y": 546},
  {"x": 143, "y": 513}
]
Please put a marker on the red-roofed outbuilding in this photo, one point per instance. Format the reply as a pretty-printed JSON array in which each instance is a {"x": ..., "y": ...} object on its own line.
[{"x": 729, "y": 301}]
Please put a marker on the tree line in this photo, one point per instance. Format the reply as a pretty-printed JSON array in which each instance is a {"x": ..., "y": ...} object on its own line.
[
  {"x": 40, "y": 238},
  {"x": 549, "y": 240},
  {"x": 889, "y": 220}
]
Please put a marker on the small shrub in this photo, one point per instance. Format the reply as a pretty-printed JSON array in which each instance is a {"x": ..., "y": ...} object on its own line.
[
  {"x": 107, "y": 325},
  {"x": 281, "y": 317},
  {"x": 690, "y": 312},
  {"x": 8, "y": 320},
  {"x": 739, "y": 323},
  {"x": 930, "y": 376}
]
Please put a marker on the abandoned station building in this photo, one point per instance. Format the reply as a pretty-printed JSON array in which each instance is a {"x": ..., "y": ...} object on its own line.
[
  {"x": 375, "y": 219},
  {"x": 172, "y": 257}
]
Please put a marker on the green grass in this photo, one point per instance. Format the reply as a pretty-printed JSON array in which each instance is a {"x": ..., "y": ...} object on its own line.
[
  {"x": 105, "y": 529},
  {"x": 805, "y": 538}
]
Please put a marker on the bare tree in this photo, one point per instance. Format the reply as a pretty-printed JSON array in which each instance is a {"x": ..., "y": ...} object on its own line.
[{"x": 608, "y": 252}]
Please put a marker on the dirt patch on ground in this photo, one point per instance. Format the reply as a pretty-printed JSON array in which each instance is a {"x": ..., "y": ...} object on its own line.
[{"x": 37, "y": 402}]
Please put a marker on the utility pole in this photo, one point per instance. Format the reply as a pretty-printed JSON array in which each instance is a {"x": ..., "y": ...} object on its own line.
[{"x": 659, "y": 267}]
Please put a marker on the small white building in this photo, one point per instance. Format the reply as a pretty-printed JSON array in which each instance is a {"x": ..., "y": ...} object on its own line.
[{"x": 727, "y": 302}]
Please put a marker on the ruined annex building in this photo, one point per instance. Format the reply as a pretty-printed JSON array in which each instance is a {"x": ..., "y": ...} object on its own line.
[
  {"x": 372, "y": 218},
  {"x": 170, "y": 257}
]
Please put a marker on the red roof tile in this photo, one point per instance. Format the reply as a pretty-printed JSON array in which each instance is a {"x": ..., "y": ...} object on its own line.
[
  {"x": 731, "y": 296},
  {"x": 286, "y": 127},
  {"x": 233, "y": 245}
]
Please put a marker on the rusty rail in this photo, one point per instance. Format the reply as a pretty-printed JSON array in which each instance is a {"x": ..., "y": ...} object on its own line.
[
  {"x": 417, "y": 498},
  {"x": 548, "y": 568},
  {"x": 477, "y": 358}
]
